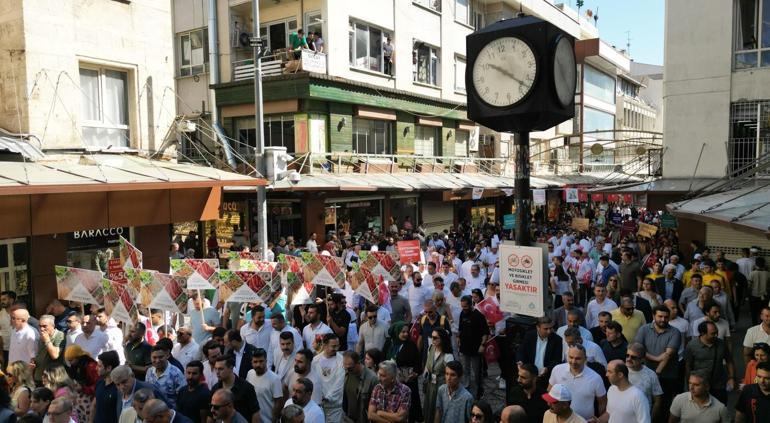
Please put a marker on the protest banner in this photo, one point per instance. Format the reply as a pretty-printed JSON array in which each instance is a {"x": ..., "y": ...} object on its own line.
[
  {"x": 323, "y": 270},
  {"x": 381, "y": 263},
  {"x": 199, "y": 273},
  {"x": 646, "y": 230},
  {"x": 522, "y": 282},
  {"x": 408, "y": 251},
  {"x": 242, "y": 287},
  {"x": 118, "y": 302}
]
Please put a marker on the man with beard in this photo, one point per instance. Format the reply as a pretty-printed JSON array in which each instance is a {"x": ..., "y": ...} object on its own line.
[
  {"x": 662, "y": 343},
  {"x": 328, "y": 366},
  {"x": 302, "y": 395},
  {"x": 267, "y": 386},
  {"x": 283, "y": 360},
  {"x": 193, "y": 400},
  {"x": 338, "y": 318},
  {"x": 527, "y": 394},
  {"x": 104, "y": 407},
  {"x": 211, "y": 351},
  {"x": 400, "y": 310},
  {"x": 359, "y": 383},
  {"x": 315, "y": 328},
  {"x": 244, "y": 398},
  {"x": 257, "y": 333},
  {"x": 303, "y": 362}
]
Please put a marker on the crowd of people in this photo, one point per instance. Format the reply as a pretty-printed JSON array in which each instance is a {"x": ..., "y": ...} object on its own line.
[{"x": 636, "y": 331}]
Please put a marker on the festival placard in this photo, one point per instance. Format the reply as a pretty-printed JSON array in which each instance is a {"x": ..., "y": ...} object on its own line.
[
  {"x": 365, "y": 284},
  {"x": 408, "y": 251},
  {"x": 115, "y": 271},
  {"x": 381, "y": 263},
  {"x": 242, "y": 287},
  {"x": 118, "y": 302},
  {"x": 323, "y": 270},
  {"x": 130, "y": 256},
  {"x": 580, "y": 224},
  {"x": 198, "y": 273},
  {"x": 80, "y": 285},
  {"x": 162, "y": 291},
  {"x": 291, "y": 267},
  {"x": 522, "y": 286},
  {"x": 646, "y": 230}
]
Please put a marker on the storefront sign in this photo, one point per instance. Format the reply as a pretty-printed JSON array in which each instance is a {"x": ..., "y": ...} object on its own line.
[
  {"x": 668, "y": 221},
  {"x": 477, "y": 193},
  {"x": 580, "y": 223},
  {"x": 509, "y": 221},
  {"x": 647, "y": 231},
  {"x": 538, "y": 197},
  {"x": 95, "y": 238},
  {"x": 571, "y": 195},
  {"x": 521, "y": 280},
  {"x": 230, "y": 206},
  {"x": 358, "y": 204},
  {"x": 408, "y": 251}
]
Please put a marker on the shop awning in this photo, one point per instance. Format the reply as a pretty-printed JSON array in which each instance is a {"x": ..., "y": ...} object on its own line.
[
  {"x": 110, "y": 172},
  {"x": 20, "y": 146},
  {"x": 746, "y": 209},
  {"x": 663, "y": 185},
  {"x": 598, "y": 178},
  {"x": 400, "y": 182}
]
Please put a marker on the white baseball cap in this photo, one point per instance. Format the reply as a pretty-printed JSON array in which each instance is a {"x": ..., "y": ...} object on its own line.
[{"x": 558, "y": 393}]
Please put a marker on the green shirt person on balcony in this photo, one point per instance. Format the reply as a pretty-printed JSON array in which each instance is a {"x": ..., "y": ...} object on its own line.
[{"x": 298, "y": 42}]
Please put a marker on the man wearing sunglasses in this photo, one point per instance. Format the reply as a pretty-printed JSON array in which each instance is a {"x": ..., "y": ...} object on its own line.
[
  {"x": 644, "y": 377},
  {"x": 156, "y": 411},
  {"x": 372, "y": 333},
  {"x": 222, "y": 408}
]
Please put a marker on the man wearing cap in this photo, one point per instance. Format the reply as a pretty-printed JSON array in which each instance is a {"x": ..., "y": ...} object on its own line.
[{"x": 559, "y": 400}]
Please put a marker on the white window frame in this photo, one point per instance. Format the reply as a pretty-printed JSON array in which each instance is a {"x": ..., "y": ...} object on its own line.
[
  {"x": 433, "y": 71},
  {"x": 190, "y": 70},
  {"x": 354, "y": 25},
  {"x": 460, "y": 74},
  {"x": 84, "y": 123},
  {"x": 12, "y": 268},
  {"x": 312, "y": 20},
  {"x": 421, "y": 147},
  {"x": 461, "y": 148},
  {"x": 290, "y": 23},
  {"x": 434, "y": 5}
]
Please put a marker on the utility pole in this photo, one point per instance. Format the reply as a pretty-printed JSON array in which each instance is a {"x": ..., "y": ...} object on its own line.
[
  {"x": 521, "y": 189},
  {"x": 259, "y": 149}
]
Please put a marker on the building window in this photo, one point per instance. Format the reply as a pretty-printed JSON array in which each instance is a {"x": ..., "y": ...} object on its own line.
[
  {"x": 104, "y": 107},
  {"x": 461, "y": 143},
  {"x": 752, "y": 33},
  {"x": 365, "y": 44},
  {"x": 429, "y": 4},
  {"x": 277, "y": 130},
  {"x": 13, "y": 266},
  {"x": 596, "y": 120},
  {"x": 277, "y": 34},
  {"x": 426, "y": 140},
  {"x": 599, "y": 85},
  {"x": 193, "y": 52},
  {"x": 426, "y": 63},
  {"x": 628, "y": 88},
  {"x": 749, "y": 134},
  {"x": 372, "y": 136},
  {"x": 459, "y": 74},
  {"x": 463, "y": 11},
  {"x": 313, "y": 22}
]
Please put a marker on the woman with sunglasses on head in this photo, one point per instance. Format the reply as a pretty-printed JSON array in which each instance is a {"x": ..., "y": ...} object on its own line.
[
  {"x": 481, "y": 412},
  {"x": 439, "y": 353}
]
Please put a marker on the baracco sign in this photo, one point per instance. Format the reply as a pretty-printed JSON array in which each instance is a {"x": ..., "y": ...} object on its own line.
[{"x": 521, "y": 280}]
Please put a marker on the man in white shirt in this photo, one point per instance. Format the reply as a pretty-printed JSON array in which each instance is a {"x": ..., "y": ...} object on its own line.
[
  {"x": 597, "y": 305},
  {"x": 92, "y": 341},
  {"x": 594, "y": 352},
  {"x": 573, "y": 321},
  {"x": 427, "y": 277},
  {"x": 465, "y": 268},
  {"x": 114, "y": 335},
  {"x": 682, "y": 325},
  {"x": 211, "y": 351},
  {"x": 278, "y": 321},
  {"x": 23, "y": 345},
  {"x": 625, "y": 402},
  {"x": 447, "y": 274},
  {"x": 475, "y": 280},
  {"x": 303, "y": 368},
  {"x": 417, "y": 293},
  {"x": 644, "y": 377},
  {"x": 745, "y": 263},
  {"x": 302, "y": 396},
  {"x": 329, "y": 366},
  {"x": 73, "y": 328},
  {"x": 186, "y": 349},
  {"x": 257, "y": 333},
  {"x": 315, "y": 328},
  {"x": 713, "y": 314},
  {"x": 585, "y": 384},
  {"x": 312, "y": 245},
  {"x": 267, "y": 386},
  {"x": 283, "y": 358}
]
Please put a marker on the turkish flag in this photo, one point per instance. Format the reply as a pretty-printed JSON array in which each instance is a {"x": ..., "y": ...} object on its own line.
[
  {"x": 489, "y": 308},
  {"x": 384, "y": 297},
  {"x": 491, "y": 351}
]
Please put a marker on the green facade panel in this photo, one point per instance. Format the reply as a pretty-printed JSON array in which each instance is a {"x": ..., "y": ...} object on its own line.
[
  {"x": 340, "y": 132},
  {"x": 404, "y": 133}
]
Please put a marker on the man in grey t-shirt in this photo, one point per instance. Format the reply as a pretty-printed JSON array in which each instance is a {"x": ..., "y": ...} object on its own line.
[{"x": 399, "y": 306}]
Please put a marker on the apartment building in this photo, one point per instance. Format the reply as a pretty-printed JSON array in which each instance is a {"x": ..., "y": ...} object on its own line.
[{"x": 86, "y": 97}]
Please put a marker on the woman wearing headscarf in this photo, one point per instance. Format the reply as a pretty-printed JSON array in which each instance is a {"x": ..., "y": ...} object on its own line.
[
  {"x": 401, "y": 349},
  {"x": 83, "y": 370}
]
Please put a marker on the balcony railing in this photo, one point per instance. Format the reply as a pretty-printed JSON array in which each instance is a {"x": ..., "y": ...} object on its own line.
[
  {"x": 340, "y": 163},
  {"x": 281, "y": 62}
]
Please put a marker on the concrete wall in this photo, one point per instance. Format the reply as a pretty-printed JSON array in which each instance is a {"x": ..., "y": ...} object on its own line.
[
  {"x": 696, "y": 86},
  {"x": 13, "y": 73},
  {"x": 192, "y": 96},
  {"x": 60, "y": 35}
]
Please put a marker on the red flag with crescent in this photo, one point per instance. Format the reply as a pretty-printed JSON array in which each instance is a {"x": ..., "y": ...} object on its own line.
[{"x": 490, "y": 309}]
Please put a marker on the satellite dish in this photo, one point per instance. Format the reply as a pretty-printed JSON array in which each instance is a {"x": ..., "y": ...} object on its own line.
[
  {"x": 597, "y": 149},
  {"x": 640, "y": 151}
]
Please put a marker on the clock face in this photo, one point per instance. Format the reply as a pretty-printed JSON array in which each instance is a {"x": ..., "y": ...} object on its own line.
[
  {"x": 564, "y": 72},
  {"x": 504, "y": 71}
]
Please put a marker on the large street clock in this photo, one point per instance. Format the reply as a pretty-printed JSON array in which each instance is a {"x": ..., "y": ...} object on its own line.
[{"x": 521, "y": 75}]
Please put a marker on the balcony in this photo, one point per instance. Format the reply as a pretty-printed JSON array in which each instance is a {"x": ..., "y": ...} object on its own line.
[{"x": 282, "y": 62}]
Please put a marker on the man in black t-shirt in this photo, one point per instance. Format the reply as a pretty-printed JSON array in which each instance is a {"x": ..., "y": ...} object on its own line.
[
  {"x": 338, "y": 318},
  {"x": 754, "y": 403},
  {"x": 193, "y": 400},
  {"x": 244, "y": 396},
  {"x": 473, "y": 332}
]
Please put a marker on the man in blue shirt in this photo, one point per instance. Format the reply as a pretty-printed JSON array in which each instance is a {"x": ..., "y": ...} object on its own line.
[
  {"x": 168, "y": 379},
  {"x": 106, "y": 395}
]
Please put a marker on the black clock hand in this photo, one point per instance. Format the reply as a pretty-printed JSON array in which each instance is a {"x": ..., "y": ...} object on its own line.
[{"x": 506, "y": 73}]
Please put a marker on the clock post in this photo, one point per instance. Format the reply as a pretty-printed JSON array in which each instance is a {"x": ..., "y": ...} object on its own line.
[{"x": 521, "y": 76}]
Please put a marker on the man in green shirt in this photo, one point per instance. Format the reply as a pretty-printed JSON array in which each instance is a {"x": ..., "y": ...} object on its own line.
[
  {"x": 49, "y": 350},
  {"x": 298, "y": 42}
]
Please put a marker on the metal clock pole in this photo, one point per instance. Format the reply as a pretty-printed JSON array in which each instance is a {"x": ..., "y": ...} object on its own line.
[{"x": 521, "y": 186}]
